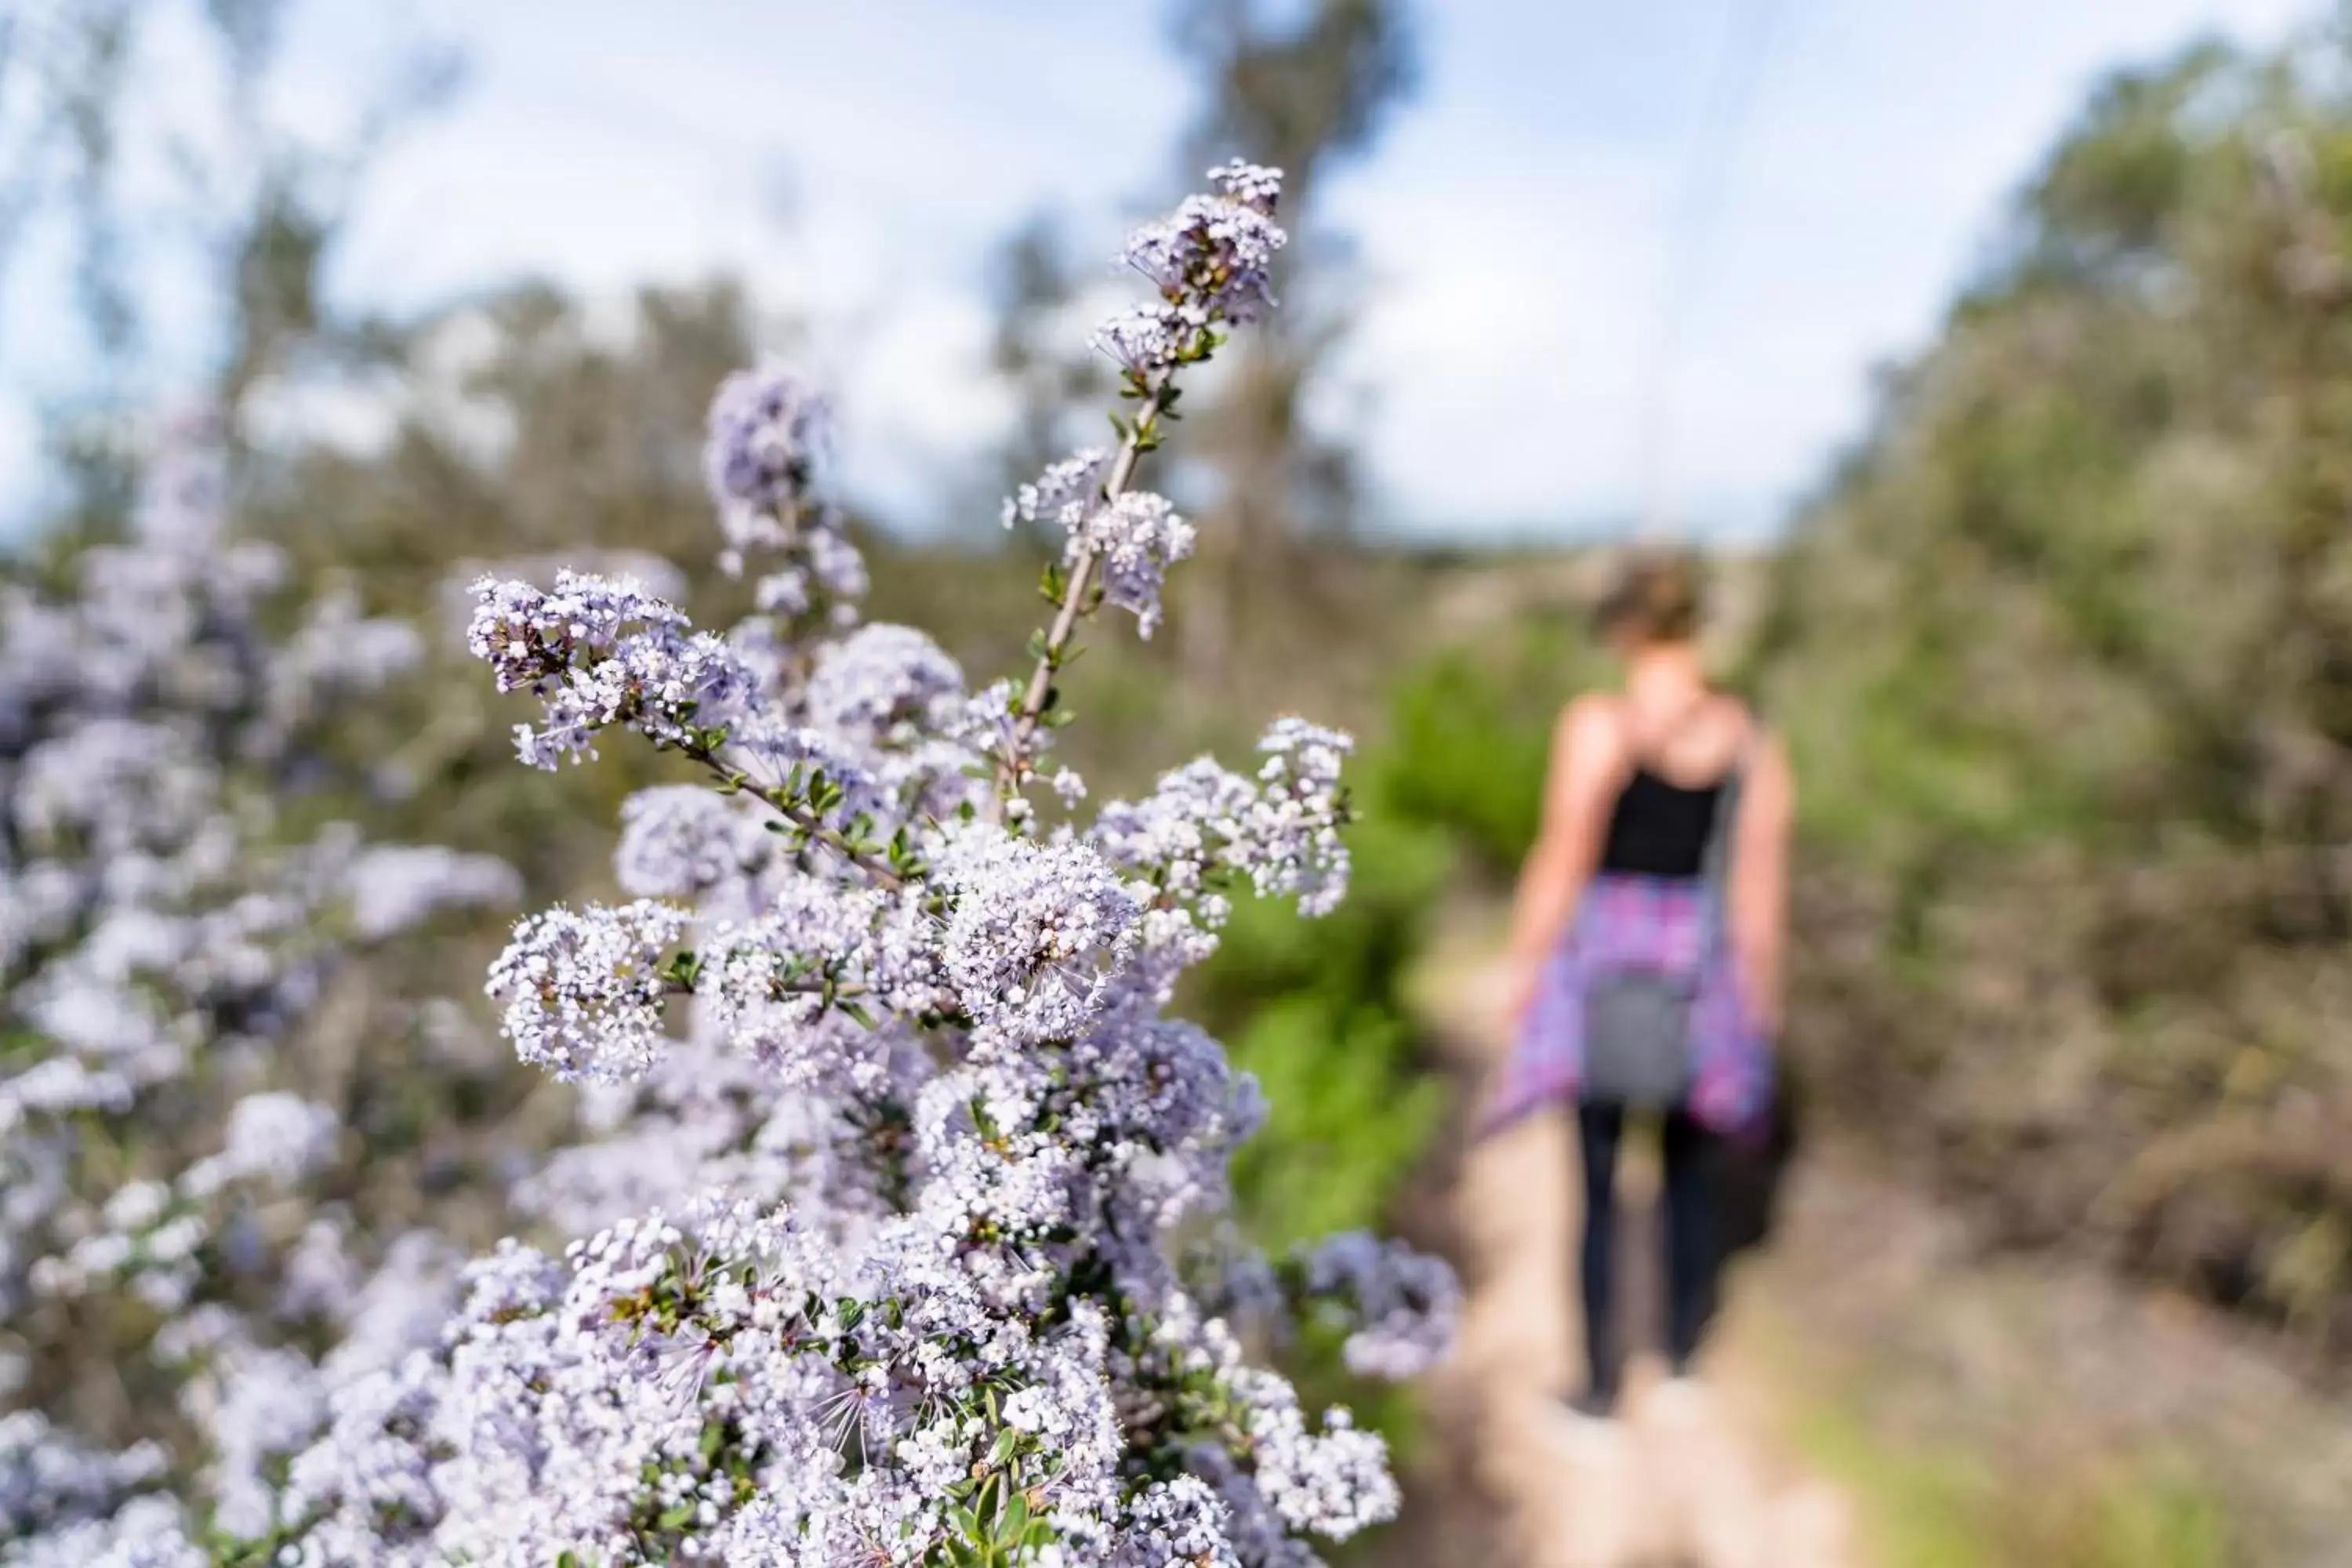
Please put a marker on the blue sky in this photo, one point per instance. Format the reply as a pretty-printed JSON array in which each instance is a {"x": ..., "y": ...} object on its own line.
[{"x": 856, "y": 161}]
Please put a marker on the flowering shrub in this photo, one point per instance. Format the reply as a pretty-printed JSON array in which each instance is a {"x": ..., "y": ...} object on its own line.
[
  {"x": 903, "y": 1198},
  {"x": 160, "y": 941},
  {"x": 907, "y": 1245}
]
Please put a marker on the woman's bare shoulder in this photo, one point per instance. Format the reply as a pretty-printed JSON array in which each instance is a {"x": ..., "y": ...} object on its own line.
[
  {"x": 1595, "y": 718},
  {"x": 1763, "y": 754},
  {"x": 1589, "y": 738}
]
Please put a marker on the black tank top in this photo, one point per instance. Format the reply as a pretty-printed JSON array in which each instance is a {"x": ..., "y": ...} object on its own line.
[{"x": 1659, "y": 829}]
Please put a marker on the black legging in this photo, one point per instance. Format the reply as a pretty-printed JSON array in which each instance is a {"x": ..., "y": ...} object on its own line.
[{"x": 1689, "y": 1239}]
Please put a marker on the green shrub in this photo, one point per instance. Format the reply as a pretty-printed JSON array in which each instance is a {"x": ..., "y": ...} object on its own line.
[
  {"x": 1318, "y": 1013},
  {"x": 1472, "y": 733}
]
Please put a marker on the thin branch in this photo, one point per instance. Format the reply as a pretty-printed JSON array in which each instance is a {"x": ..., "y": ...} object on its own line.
[
  {"x": 1013, "y": 769},
  {"x": 809, "y": 823}
]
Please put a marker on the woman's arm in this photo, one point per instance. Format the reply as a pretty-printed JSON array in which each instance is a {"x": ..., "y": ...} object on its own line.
[
  {"x": 1588, "y": 757},
  {"x": 1759, "y": 877}
]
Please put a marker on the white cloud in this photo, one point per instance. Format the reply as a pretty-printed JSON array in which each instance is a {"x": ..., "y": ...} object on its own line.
[
  {"x": 1524, "y": 214},
  {"x": 905, "y": 140},
  {"x": 1498, "y": 365},
  {"x": 918, "y": 407}
]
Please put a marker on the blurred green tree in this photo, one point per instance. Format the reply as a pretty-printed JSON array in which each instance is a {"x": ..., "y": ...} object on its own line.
[{"x": 2066, "y": 650}]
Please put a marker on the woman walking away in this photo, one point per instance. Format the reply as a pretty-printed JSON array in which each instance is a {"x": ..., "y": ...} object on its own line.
[{"x": 1647, "y": 944}]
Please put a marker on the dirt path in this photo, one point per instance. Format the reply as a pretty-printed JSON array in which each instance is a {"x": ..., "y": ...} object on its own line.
[{"x": 1691, "y": 1475}]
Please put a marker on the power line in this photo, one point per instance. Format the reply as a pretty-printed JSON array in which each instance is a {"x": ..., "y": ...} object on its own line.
[{"x": 1750, "y": 26}]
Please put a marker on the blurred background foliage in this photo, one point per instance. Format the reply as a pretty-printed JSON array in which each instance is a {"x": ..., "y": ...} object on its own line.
[{"x": 2066, "y": 652}]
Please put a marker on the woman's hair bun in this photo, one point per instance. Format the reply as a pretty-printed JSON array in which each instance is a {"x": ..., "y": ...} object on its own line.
[{"x": 1658, "y": 597}]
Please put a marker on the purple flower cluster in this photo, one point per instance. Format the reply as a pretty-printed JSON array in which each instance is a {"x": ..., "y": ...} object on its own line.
[
  {"x": 584, "y": 991},
  {"x": 1206, "y": 827},
  {"x": 1216, "y": 253},
  {"x": 1131, "y": 539},
  {"x": 1136, "y": 539},
  {"x": 888, "y": 1145},
  {"x": 1038, "y": 932},
  {"x": 884, "y": 685},
  {"x": 395, "y": 887},
  {"x": 1400, "y": 1305},
  {"x": 528, "y": 636},
  {"x": 769, "y": 430},
  {"x": 600, "y": 654},
  {"x": 163, "y": 936},
  {"x": 1148, "y": 340},
  {"x": 1065, "y": 495},
  {"x": 183, "y": 494},
  {"x": 682, "y": 841}
]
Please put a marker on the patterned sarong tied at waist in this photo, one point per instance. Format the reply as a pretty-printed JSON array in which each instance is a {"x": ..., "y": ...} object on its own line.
[{"x": 1667, "y": 926}]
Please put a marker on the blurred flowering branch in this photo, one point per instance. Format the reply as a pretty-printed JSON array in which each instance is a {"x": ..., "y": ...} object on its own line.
[{"x": 163, "y": 939}]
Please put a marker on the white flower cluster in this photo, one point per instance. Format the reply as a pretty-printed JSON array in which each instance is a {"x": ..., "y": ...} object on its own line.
[
  {"x": 1213, "y": 259},
  {"x": 599, "y": 653},
  {"x": 1038, "y": 933},
  {"x": 1065, "y": 495},
  {"x": 160, "y": 937},
  {"x": 584, "y": 991},
  {"x": 1134, "y": 538},
  {"x": 394, "y": 886},
  {"x": 1205, "y": 826}
]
